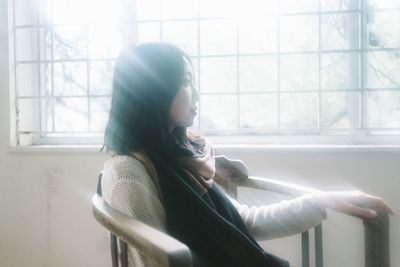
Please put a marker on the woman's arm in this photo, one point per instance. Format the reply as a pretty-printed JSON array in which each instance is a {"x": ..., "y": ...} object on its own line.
[{"x": 281, "y": 219}]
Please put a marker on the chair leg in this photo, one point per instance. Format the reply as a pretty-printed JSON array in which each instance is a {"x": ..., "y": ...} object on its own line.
[
  {"x": 114, "y": 250},
  {"x": 124, "y": 254},
  {"x": 305, "y": 249}
]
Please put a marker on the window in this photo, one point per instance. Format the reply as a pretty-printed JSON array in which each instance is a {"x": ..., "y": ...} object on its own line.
[{"x": 325, "y": 70}]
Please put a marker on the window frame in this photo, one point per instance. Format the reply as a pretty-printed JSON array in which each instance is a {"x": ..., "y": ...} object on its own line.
[{"x": 320, "y": 136}]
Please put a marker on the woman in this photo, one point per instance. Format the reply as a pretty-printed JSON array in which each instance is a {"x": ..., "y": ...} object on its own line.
[{"x": 162, "y": 174}]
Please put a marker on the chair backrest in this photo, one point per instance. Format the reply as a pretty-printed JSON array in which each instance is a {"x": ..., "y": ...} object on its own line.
[{"x": 162, "y": 248}]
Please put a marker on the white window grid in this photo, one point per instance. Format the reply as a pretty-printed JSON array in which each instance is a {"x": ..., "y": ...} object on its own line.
[{"x": 356, "y": 135}]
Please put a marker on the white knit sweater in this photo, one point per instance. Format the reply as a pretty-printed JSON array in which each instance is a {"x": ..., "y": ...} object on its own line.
[{"x": 127, "y": 187}]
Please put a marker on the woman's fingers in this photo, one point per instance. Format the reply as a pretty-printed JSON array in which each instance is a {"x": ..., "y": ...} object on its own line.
[
  {"x": 380, "y": 204},
  {"x": 361, "y": 212}
]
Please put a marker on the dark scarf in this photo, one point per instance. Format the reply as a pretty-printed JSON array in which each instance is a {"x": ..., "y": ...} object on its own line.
[{"x": 207, "y": 222}]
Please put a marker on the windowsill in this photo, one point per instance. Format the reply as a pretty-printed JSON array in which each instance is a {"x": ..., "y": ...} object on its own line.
[{"x": 95, "y": 149}]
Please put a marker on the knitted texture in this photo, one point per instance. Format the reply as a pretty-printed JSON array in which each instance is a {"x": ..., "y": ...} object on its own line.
[{"x": 127, "y": 187}]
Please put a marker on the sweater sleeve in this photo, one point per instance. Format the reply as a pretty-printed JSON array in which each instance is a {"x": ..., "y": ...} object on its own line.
[{"x": 281, "y": 219}]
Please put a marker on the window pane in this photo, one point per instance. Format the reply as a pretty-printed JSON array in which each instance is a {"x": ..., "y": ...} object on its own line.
[
  {"x": 148, "y": 32},
  {"x": 383, "y": 109},
  {"x": 218, "y": 37},
  {"x": 28, "y": 80},
  {"x": 71, "y": 114},
  {"x": 105, "y": 41},
  {"x": 220, "y": 8},
  {"x": 384, "y": 30},
  {"x": 298, "y": 5},
  {"x": 258, "y": 111},
  {"x": 148, "y": 9},
  {"x": 218, "y": 112},
  {"x": 26, "y": 12},
  {"x": 383, "y": 3},
  {"x": 335, "y": 5},
  {"x": 218, "y": 74},
  {"x": 183, "y": 34},
  {"x": 70, "y": 42},
  {"x": 340, "y": 71},
  {"x": 28, "y": 114},
  {"x": 101, "y": 77},
  {"x": 173, "y": 9},
  {"x": 195, "y": 64},
  {"x": 298, "y": 33},
  {"x": 383, "y": 69},
  {"x": 299, "y": 111},
  {"x": 294, "y": 74},
  {"x": 26, "y": 44},
  {"x": 258, "y": 73},
  {"x": 340, "y": 31},
  {"x": 70, "y": 78},
  {"x": 70, "y": 11},
  {"x": 99, "y": 109},
  {"x": 258, "y": 35},
  {"x": 340, "y": 109}
]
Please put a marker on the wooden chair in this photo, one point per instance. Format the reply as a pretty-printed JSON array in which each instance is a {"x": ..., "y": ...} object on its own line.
[{"x": 231, "y": 174}]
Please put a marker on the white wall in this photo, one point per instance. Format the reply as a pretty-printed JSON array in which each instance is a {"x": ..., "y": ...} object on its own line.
[{"x": 46, "y": 218}]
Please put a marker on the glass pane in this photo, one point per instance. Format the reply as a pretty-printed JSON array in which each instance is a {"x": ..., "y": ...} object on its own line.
[
  {"x": 183, "y": 34},
  {"x": 384, "y": 30},
  {"x": 195, "y": 63},
  {"x": 105, "y": 41},
  {"x": 99, "y": 111},
  {"x": 70, "y": 42},
  {"x": 148, "y": 9},
  {"x": 383, "y": 69},
  {"x": 70, "y": 78},
  {"x": 27, "y": 80},
  {"x": 26, "y": 45},
  {"x": 258, "y": 73},
  {"x": 258, "y": 35},
  {"x": 26, "y": 12},
  {"x": 101, "y": 74},
  {"x": 28, "y": 115},
  {"x": 71, "y": 114},
  {"x": 46, "y": 115},
  {"x": 299, "y": 33},
  {"x": 299, "y": 111},
  {"x": 340, "y": 109},
  {"x": 340, "y": 31},
  {"x": 218, "y": 37},
  {"x": 220, "y": 8},
  {"x": 383, "y": 3},
  {"x": 256, "y": 8},
  {"x": 173, "y": 9},
  {"x": 258, "y": 111},
  {"x": 148, "y": 32},
  {"x": 218, "y": 112},
  {"x": 103, "y": 11},
  {"x": 298, "y": 5},
  {"x": 340, "y": 71},
  {"x": 335, "y": 5},
  {"x": 383, "y": 109},
  {"x": 294, "y": 74},
  {"x": 71, "y": 11},
  {"x": 218, "y": 74}
]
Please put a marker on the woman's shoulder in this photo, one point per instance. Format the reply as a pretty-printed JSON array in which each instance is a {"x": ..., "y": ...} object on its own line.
[{"x": 124, "y": 167}]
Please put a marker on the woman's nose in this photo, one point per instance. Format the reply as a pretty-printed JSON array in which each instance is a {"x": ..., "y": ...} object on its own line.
[{"x": 195, "y": 95}]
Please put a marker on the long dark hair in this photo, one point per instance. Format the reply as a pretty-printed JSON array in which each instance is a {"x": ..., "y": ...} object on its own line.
[{"x": 145, "y": 81}]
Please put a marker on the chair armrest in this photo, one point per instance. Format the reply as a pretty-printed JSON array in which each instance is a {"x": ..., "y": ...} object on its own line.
[
  {"x": 164, "y": 249},
  {"x": 276, "y": 186}
]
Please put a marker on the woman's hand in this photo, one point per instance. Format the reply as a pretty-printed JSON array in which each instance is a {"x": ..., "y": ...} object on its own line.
[{"x": 356, "y": 203}]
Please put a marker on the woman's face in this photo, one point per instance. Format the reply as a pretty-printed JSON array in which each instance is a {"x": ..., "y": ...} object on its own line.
[{"x": 184, "y": 106}]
